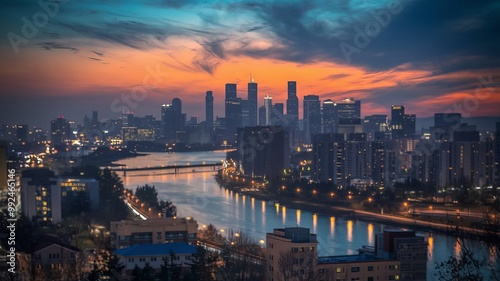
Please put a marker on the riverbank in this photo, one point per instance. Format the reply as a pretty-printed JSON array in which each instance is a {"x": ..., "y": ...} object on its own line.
[
  {"x": 104, "y": 157},
  {"x": 338, "y": 209}
]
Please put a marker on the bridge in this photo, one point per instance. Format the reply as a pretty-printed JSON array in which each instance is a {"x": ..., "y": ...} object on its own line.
[{"x": 176, "y": 168}]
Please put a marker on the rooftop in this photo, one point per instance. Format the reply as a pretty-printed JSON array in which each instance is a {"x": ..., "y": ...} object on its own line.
[
  {"x": 347, "y": 258},
  {"x": 157, "y": 249}
]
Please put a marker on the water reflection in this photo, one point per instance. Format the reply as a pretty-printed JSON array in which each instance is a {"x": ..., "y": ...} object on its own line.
[
  {"x": 332, "y": 227},
  {"x": 371, "y": 236},
  {"x": 315, "y": 222},
  {"x": 349, "y": 230},
  {"x": 283, "y": 215},
  {"x": 199, "y": 196}
]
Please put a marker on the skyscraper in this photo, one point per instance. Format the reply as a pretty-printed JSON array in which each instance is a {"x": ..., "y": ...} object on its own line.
[
  {"x": 172, "y": 118},
  {"x": 349, "y": 111},
  {"x": 277, "y": 117},
  {"x": 292, "y": 103},
  {"x": 232, "y": 109},
  {"x": 209, "y": 109},
  {"x": 268, "y": 104},
  {"x": 312, "y": 116},
  {"x": 330, "y": 117},
  {"x": 402, "y": 125},
  {"x": 252, "y": 102},
  {"x": 60, "y": 130}
]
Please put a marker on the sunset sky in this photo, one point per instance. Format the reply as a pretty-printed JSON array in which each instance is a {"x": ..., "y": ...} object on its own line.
[{"x": 432, "y": 56}]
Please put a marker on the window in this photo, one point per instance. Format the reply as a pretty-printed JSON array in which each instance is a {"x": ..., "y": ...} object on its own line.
[
  {"x": 392, "y": 277},
  {"x": 392, "y": 267},
  {"x": 370, "y": 278},
  {"x": 340, "y": 270},
  {"x": 153, "y": 259},
  {"x": 355, "y": 269},
  {"x": 295, "y": 250},
  {"x": 370, "y": 268}
]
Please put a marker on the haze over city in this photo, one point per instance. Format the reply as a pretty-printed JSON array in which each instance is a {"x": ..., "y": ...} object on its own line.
[{"x": 428, "y": 55}]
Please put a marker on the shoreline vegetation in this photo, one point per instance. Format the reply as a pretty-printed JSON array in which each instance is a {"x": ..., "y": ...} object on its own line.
[{"x": 345, "y": 211}]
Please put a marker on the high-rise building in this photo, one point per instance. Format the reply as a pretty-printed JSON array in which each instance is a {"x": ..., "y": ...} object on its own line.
[
  {"x": 349, "y": 111},
  {"x": 330, "y": 117},
  {"x": 373, "y": 124},
  {"x": 262, "y": 116},
  {"x": 292, "y": 103},
  {"x": 209, "y": 109},
  {"x": 312, "y": 116},
  {"x": 245, "y": 114},
  {"x": 60, "y": 130},
  {"x": 232, "y": 109},
  {"x": 268, "y": 104},
  {"x": 327, "y": 157},
  {"x": 277, "y": 117},
  {"x": 173, "y": 120},
  {"x": 263, "y": 151},
  {"x": 252, "y": 102},
  {"x": 444, "y": 126},
  {"x": 402, "y": 125}
]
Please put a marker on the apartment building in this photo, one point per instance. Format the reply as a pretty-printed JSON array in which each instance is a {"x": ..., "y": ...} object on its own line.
[{"x": 128, "y": 233}]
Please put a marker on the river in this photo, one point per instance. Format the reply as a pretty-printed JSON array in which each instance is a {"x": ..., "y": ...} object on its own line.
[{"x": 198, "y": 195}]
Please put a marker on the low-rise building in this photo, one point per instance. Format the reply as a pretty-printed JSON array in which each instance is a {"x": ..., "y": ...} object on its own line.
[
  {"x": 128, "y": 233},
  {"x": 398, "y": 254},
  {"x": 178, "y": 254}
]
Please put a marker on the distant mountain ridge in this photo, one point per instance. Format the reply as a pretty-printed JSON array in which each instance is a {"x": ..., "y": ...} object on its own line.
[{"x": 483, "y": 124}]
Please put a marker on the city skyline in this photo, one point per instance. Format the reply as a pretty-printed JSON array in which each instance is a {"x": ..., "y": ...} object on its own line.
[{"x": 97, "y": 55}]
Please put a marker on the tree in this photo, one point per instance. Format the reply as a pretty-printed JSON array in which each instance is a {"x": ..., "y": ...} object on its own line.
[
  {"x": 468, "y": 265},
  {"x": 148, "y": 195}
]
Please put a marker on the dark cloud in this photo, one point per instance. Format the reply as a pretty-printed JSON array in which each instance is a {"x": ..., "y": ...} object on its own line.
[
  {"x": 98, "y": 53},
  {"x": 55, "y": 45}
]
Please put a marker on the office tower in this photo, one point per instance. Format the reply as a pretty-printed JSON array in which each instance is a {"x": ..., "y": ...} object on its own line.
[
  {"x": 232, "y": 109},
  {"x": 402, "y": 125},
  {"x": 312, "y": 116},
  {"x": 330, "y": 117},
  {"x": 177, "y": 105},
  {"x": 263, "y": 151},
  {"x": 373, "y": 124},
  {"x": 268, "y": 104},
  {"x": 60, "y": 131},
  {"x": 444, "y": 126},
  {"x": 94, "y": 122},
  {"x": 292, "y": 103},
  {"x": 209, "y": 110},
  {"x": 262, "y": 116},
  {"x": 409, "y": 125},
  {"x": 245, "y": 114},
  {"x": 349, "y": 111},
  {"x": 252, "y": 102},
  {"x": 277, "y": 117},
  {"x": 173, "y": 120}
]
